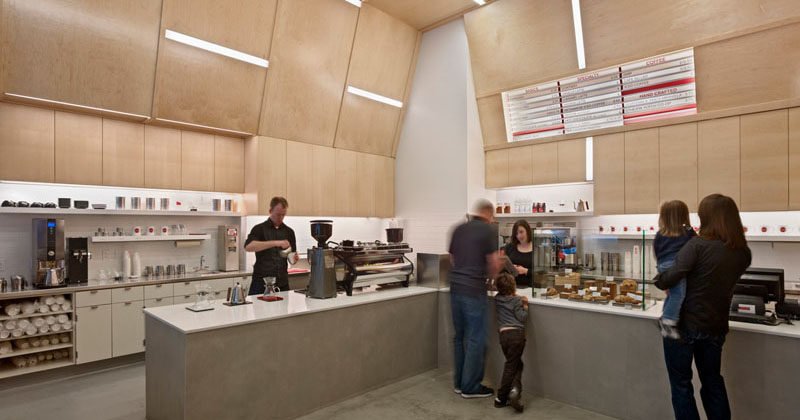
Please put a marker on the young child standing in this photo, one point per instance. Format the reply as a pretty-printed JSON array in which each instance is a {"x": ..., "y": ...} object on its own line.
[
  {"x": 674, "y": 230},
  {"x": 512, "y": 312}
]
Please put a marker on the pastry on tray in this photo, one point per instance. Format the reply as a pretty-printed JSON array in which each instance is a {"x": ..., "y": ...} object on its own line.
[{"x": 551, "y": 292}]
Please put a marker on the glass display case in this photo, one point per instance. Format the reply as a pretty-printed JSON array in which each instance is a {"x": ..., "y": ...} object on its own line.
[{"x": 585, "y": 265}]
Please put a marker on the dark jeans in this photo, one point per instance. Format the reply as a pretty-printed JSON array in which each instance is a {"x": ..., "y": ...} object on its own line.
[
  {"x": 513, "y": 344},
  {"x": 469, "y": 345},
  {"x": 706, "y": 350}
]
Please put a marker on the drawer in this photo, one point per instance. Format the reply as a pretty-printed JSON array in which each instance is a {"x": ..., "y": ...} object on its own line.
[
  {"x": 219, "y": 295},
  {"x": 92, "y": 298},
  {"x": 220, "y": 284},
  {"x": 162, "y": 301},
  {"x": 127, "y": 294},
  {"x": 183, "y": 299},
  {"x": 185, "y": 288},
  {"x": 158, "y": 291}
]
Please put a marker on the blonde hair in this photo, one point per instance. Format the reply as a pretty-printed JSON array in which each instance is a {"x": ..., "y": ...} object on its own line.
[{"x": 672, "y": 217}]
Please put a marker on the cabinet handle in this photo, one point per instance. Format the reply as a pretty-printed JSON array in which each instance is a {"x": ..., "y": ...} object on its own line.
[
  {"x": 128, "y": 303},
  {"x": 159, "y": 285},
  {"x": 127, "y": 288},
  {"x": 159, "y": 299},
  {"x": 94, "y": 307},
  {"x": 94, "y": 292}
]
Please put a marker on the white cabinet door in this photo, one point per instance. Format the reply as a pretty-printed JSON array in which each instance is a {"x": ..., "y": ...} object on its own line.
[
  {"x": 127, "y": 328},
  {"x": 185, "y": 299},
  {"x": 93, "y": 333}
]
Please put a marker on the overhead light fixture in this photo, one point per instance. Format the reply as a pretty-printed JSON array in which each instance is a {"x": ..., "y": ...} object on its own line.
[
  {"x": 50, "y": 101},
  {"x": 356, "y": 3},
  {"x": 217, "y": 49},
  {"x": 576, "y": 22},
  {"x": 204, "y": 126},
  {"x": 480, "y": 2},
  {"x": 374, "y": 96},
  {"x": 589, "y": 158}
]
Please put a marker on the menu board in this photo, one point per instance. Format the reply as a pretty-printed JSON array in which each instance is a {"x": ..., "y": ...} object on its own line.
[{"x": 650, "y": 89}]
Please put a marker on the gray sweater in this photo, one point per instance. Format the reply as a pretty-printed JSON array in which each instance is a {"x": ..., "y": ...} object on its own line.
[{"x": 510, "y": 312}]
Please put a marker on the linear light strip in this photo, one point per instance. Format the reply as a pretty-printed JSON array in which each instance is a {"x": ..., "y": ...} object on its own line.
[
  {"x": 50, "y": 101},
  {"x": 356, "y": 3},
  {"x": 217, "y": 49},
  {"x": 374, "y": 96},
  {"x": 589, "y": 158},
  {"x": 576, "y": 22},
  {"x": 480, "y": 2},
  {"x": 203, "y": 126}
]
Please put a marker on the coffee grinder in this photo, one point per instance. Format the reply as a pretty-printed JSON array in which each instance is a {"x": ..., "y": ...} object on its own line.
[
  {"x": 322, "y": 282},
  {"x": 49, "y": 266}
]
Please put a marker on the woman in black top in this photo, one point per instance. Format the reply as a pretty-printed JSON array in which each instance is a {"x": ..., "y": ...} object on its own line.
[
  {"x": 712, "y": 264},
  {"x": 520, "y": 252}
]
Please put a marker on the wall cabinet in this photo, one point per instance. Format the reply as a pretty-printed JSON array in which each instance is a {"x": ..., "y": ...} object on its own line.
[
  {"x": 641, "y": 171},
  {"x": 127, "y": 328},
  {"x": 346, "y": 183},
  {"x": 228, "y": 164},
  {"x": 299, "y": 167},
  {"x": 323, "y": 180},
  {"x": 545, "y": 163},
  {"x": 79, "y": 148},
  {"x": 93, "y": 333},
  {"x": 384, "y": 187},
  {"x": 609, "y": 173},
  {"x": 677, "y": 164},
  {"x": 520, "y": 166},
  {"x": 765, "y": 161},
  {"x": 366, "y": 166},
  {"x": 718, "y": 158},
  {"x": 794, "y": 159},
  {"x": 123, "y": 153},
  {"x": 572, "y": 160},
  {"x": 197, "y": 161},
  {"x": 496, "y": 168},
  {"x": 162, "y": 157},
  {"x": 27, "y": 138},
  {"x": 265, "y": 173}
]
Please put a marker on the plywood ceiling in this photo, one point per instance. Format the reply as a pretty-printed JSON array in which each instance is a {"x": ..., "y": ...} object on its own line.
[{"x": 423, "y": 13}]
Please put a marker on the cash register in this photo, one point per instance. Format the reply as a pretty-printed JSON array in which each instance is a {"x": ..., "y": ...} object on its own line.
[{"x": 755, "y": 288}]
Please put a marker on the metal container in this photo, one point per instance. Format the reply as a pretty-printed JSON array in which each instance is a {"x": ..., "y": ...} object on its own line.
[
  {"x": 170, "y": 270},
  {"x": 159, "y": 270},
  {"x": 180, "y": 269},
  {"x": 136, "y": 203},
  {"x": 120, "y": 203},
  {"x": 165, "y": 204},
  {"x": 432, "y": 270},
  {"x": 216, "y": 204},
  {"x": 150, "y": 203},
  {"x": 228, "y": 205},
  {"x": 3, "y": 285},
  {"x": 148, "y": 271}
]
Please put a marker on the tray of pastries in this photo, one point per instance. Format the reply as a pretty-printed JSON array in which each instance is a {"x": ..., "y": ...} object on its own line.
[
  {"x": 550, "y": 293},
  {"x": 627, "y": 301},
  {"x": 628, "y": 285}
]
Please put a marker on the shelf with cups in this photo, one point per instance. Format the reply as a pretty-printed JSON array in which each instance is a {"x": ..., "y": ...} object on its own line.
[
  {"x": 33, "y": 315},
  {"x": 10, "y": 370},
  {"x": 146, "y": 238},
  {"x": 553, "y": 214},
  {"x": 33, "y": 350},
  {"x": 49, "y": 333},
  {"x": 112, "y": 212}
]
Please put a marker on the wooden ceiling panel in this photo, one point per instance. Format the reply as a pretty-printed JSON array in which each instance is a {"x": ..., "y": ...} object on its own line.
[
  {"x": 423, "y": 13},
  {"x": 367, "y": 126}
]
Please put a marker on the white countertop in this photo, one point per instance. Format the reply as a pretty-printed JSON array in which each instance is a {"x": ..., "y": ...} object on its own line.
[{"x": 293, "y": 303}]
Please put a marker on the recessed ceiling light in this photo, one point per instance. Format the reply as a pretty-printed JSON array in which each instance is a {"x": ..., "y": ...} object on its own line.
[
  {"x": 576, "y": 22},
  {"x": 217, "y": 49},
  {"x": 374, "y": 96}
]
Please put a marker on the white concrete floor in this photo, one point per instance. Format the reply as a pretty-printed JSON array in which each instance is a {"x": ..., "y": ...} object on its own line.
[{"x": 118, "y": 394}]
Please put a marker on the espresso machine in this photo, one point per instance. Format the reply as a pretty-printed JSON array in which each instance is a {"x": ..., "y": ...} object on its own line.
[
  {"x": 228, "y": 248},
  {"x": 322, "y": 282},
  {"x": 49, "y": 267}
]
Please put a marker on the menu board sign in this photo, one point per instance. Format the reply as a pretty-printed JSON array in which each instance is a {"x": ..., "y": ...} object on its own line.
[{"x": 654, "y": 88}]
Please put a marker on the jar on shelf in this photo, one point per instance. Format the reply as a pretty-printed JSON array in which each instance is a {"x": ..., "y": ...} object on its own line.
[
  {"x": 507, "y": 208},
  {"x": 499, "y": 208}
]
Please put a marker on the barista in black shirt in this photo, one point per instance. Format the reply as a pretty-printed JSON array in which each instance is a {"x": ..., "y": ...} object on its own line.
[
  {"x": 267, "y": 239},
  {"x": 520, "y": 252}
]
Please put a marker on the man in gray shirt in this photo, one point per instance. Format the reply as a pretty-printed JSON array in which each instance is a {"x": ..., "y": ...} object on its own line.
[{"x": 473, "y": 256}]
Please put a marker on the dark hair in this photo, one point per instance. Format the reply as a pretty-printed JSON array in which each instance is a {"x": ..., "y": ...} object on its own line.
[
  {"x": 720, "y": 220},
  {"x": 505, "y": 284},
  {"x": 278, "y": 200},
  {"x": 673, "y": 217},
  {"x": 524, "y": 224}
]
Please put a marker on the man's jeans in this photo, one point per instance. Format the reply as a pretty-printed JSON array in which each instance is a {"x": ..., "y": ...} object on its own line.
[
  {"x": 706, "y": 350},
  {"x": 469, "y": 322}
]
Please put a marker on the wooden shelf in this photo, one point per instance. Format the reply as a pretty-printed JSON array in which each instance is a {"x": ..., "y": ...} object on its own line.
[
  {"x": 69, "y": 331},
  {"x": 9, "y": 371},
  {"x": 33, "y": 350},
  {"x": 21, "y": 316},
  {"x": 148, "y": 238},
  {"x": 536, "y": 215},
  {"x": 112, "y": 212}
]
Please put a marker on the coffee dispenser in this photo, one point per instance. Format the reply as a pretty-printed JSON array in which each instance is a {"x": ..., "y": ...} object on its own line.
[
  {"x": 228, "y": 248},
  {"x": 78, "y": 256},
  {"x": 49, "y": 267},
  {"x": 322, "y": 282}
]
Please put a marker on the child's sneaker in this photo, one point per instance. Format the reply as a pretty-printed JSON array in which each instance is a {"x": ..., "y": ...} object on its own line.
[
  {"x": 514, "y": 399},
  {"x": 498, "y": 403}
]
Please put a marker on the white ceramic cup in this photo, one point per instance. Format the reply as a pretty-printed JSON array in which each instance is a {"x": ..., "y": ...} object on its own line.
[
  {"x": 164, "y": 230},
  {"x": 136, "y": 231},
  {"x": 151, "y": 230}
]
